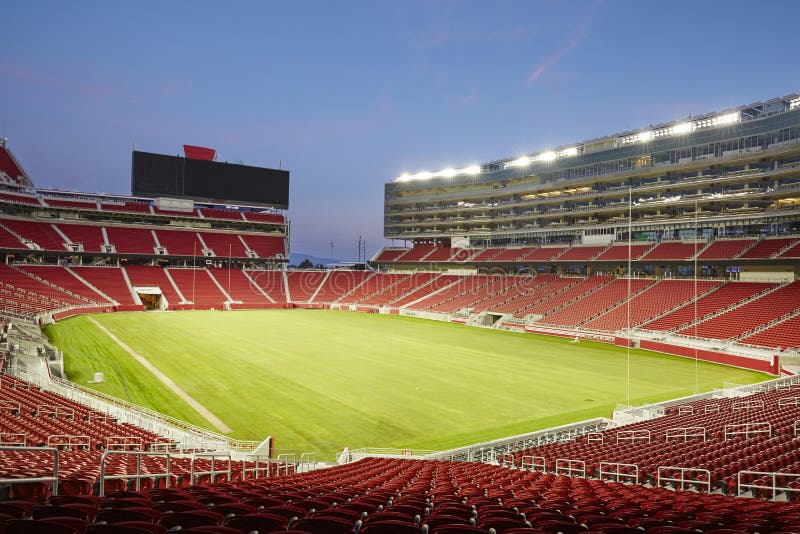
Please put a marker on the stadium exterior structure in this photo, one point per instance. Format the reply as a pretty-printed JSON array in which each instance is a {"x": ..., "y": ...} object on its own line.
[{"x": 736, "y": 172}]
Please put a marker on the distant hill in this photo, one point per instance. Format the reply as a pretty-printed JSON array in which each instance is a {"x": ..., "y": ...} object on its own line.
[{"x": 296, "y": 258}]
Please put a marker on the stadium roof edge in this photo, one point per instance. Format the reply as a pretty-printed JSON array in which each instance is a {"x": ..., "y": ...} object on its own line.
[{"x": 792, "y": 101}]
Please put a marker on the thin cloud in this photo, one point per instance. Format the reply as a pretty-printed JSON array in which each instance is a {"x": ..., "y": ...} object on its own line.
[
  {"x": 468, "y": 99},
  {"x": 433, "y": 37},
  {"x": 575, "y": 39},
  {"x": 555, "y": 58},
  {"x": 22, "y": 75}
]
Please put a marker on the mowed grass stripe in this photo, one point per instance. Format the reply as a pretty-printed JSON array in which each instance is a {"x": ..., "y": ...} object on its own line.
[
  {"x": 88, "y": 350},
  {"x": 318, "y": 380}
]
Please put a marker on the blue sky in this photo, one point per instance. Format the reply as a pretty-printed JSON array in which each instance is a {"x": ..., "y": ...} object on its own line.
[{"x": 348, "y": 95}]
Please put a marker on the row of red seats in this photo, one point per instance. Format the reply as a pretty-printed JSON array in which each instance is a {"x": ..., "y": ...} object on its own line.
[
  {"x": 595, "y": 302},
  {"x": 129, "y": 206},
  {"x": 723, "y": 436},
  {"x": 137, "y": 240},
  {"x": 720, "y": 249},
  {"x": 382, "y": 496}
]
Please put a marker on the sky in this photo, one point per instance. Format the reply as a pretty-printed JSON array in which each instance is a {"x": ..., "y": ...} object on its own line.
[{"x": 347, "y": 95}]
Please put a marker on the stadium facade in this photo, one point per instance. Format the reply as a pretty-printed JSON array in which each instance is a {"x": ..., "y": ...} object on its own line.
[{"x": 735, "y": 172}]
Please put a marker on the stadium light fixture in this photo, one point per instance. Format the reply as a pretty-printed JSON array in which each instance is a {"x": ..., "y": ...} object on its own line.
[
  {"x": 727, "y": 118},
  {"x": 446, "y": 173},
  {"x": 523, "y": 161},
  {"x": 548, "y": 156},
  {"x": 682, "y": 128},
  {"x": 645, "y": 136},
  {"x": 473, "y": 170}
]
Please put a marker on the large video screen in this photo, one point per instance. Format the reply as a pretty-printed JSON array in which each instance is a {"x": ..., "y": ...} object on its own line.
[{"x": 158, "y": 175}]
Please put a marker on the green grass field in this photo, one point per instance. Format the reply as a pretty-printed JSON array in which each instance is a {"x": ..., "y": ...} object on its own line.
[{"x": 318, "y": 380}]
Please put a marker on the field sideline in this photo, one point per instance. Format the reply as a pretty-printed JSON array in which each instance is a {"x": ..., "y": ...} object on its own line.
[{"x": 318, "y": 380}]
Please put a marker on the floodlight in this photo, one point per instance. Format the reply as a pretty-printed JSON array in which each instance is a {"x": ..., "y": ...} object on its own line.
[
  {"x": 474, "y": 169},
  {"x": 727, "y": 118},
  {"x": 523, "y": 161},
  {"x": 682, "y": 128}
]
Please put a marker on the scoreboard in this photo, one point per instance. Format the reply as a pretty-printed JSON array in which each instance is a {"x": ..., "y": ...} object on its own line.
[{"x": 159, "y": 175}]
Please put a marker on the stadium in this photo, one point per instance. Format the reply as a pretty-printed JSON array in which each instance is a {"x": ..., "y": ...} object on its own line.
[{"x": 599, "y": 337}]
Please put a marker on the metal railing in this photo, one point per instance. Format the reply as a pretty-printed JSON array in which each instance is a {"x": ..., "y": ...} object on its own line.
[
  {"x": 138, "y": 476},
  {"x": 534, "y": 463},
  {"x": 571, "y": 468},
  {"x": 123, "y": 442},
  {"x": 788, "y": 401},
  {"x": 383, "y": 452},
  {"x": 9, "y": 439},
  {"x": 22, "y": 480},
  {"x": 66, "y": 440},
  {"x": 285, "y": 462},
  {"x": 683, "y": 480},
  {"x": 752, "y": 404},
  {"x": 619, "y": 472},
  {"x": 779, "y": 482},
  {"x": 748, "y": 430},
  {"x": 264, "y": 461},
  {"x": 54, "y": 410},
  {"x": 489, "y": 450},
  {"x": 595, "y": 437},
  {"x": 145, "y": 418},
  {"x": 194, "y": 474},
  {"x": 308, "y": 462},
  {"x": 506, "y": 460},
  {"x": 633, "y": 436},
  {"x": 686, "y": 433}
]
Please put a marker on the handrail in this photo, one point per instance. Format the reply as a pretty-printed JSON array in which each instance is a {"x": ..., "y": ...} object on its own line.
[
  {"x": 620, "y": 471},
  {"x": 123, "y": 441},
  {"x": 308, "y": 462},
  {"x": 9, "y": 439},
  {"x": 594, "y": 437},
  {"x": 741, "y": 487},
  {"x": 256, "y": 469},
  {"x": 748, "y": 430},
  {"x": 634, "y": 435},
  {"x": 194, "y": 475},
  {"x": 54, "y": 410},
  {"x": 747, "y": 405},
  {"x": 286, "y": 462},
  {"x": 506, "y": 460},
  {"x": 138, "y": 476},
  {"x": 69, "y": 440},
  {"x": 53, "y": 479},
  {"x": 788, "y": 401},
  {"x": 53, "y": 383},
  {"x": 686, "y": 433},
  {"x": 534, "y": 463},
  {"x": 570, "y": 468},
  {"x": 684, "y": 482}
]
